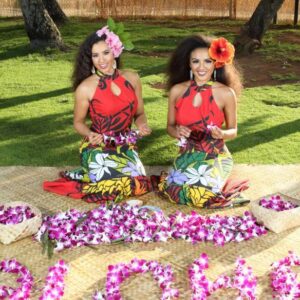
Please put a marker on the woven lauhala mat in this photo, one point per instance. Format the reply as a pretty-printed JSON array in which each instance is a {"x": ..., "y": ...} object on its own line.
[{"x": 88, "y": 265}]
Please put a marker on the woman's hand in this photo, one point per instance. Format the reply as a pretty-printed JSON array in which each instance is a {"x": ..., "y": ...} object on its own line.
[
  {"x": 216, "y": 132},
  {"x": 95, "y": 138},
  {"x": 144, "y": 129},
  {"x": 183, "y": 131}
]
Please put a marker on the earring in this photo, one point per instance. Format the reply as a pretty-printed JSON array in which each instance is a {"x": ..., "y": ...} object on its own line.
[
  {"x": 215, "y": 75},
  {"x": 93, "y": 70},
  {"x": 114, "y": 65},
  {"x": 191, "y": 75}
]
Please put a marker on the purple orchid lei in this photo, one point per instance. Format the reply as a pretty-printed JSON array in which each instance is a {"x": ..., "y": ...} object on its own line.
[
  {"x": 276, "y": 202},
  {"x": 54, "y": 287},
  {"x": 283, "y": 279},
  {"x": 244, "y": 281},
  {"x": 134, "y": 224},
  {"x": 118, "y": 273},
  {"x": 129, "y": 137},
  {"x": 25, "y": 279},
  {"x": 15, "y": 215}
]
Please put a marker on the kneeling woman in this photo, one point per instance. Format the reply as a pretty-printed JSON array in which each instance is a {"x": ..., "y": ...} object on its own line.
[
  {"x": 203, "y": 84},
  {"x": 110, "y": 166}
]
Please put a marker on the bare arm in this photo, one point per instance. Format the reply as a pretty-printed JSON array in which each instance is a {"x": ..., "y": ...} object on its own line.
[
  {"x": 140, "y": 118},
  {"x": 173, "y": 129},
  {"x": 230, "y": 112},
  {"x": 80, "y": 112}
]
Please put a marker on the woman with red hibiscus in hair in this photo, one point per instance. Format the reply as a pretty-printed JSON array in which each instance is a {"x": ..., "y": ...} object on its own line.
[
  {"x": 110, "y": 166},
  {"x": 202, "y": 84}
]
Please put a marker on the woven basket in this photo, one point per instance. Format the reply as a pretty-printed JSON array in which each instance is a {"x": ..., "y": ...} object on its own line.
[
  {"x": 13, "y": 232},
  {"x": 277, "y": 221}
]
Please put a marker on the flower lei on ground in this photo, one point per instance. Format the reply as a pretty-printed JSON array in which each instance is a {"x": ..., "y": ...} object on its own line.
[
  {"x": 25, "y": 279},
  {"x": 276, "y": 202},
  {"x": 54, "y": 286},
  {"x": 118, "y": 273},
  {"x": 116, "y": 38},
  {"x": 244, "y": 281},
  {"x": 134, "y": 224},
  {"x": 284, "y": 280},
  {"x": 15, "y": 215},
  {"x": 221, "y": 51}
]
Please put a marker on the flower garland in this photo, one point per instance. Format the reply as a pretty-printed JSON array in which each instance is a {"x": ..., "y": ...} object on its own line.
[
  {"x": 54, "y": 287},
  {"x": 15, "y": 215},
  {"x": 118, "y": 273},
  {"x": 244, "y": 281},
  {"x": 276, "y": 202},
  {"x": 116, "y": 139},
  {"x": 25, "y": 279},
  {"x": 134, "y": 224},
  {"x": 283, "y": 279}
]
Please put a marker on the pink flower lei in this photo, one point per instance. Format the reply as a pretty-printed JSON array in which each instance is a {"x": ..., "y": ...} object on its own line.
[
  {"x": 284, "y": 280},
  {"x": 25, "y": 279},
  {"x": 112, "y": 40},
  {"x": 133, "y": 224},
  {"x": 15, "y": 215},
  {"x": 129, "y": 137},
  {"x": 118, "y": 273},
  {"x": 277, "y": 203},
  {"x": 244, "y": 281},
  {"x": 54, "y": 287}
]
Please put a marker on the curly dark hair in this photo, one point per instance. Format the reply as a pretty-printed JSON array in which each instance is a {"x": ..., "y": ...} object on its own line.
[
  {"x": 83, "y": 63},
  {"x": 178, "y": 69}
]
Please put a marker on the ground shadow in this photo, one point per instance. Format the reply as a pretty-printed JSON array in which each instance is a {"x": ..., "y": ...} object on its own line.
[
  {"x": 263, "y": 136},
  {"x": 156, "y": 69},
  {"x": 9, "y": 102}
]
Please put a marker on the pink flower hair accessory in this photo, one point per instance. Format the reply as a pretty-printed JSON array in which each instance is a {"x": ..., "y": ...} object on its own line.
[
  {"x": 112, "y": 40},
  {"x": 116, "y": 38}
]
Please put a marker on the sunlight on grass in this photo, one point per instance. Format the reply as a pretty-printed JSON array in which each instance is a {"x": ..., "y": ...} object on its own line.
[{"x": 37, "y": 104}]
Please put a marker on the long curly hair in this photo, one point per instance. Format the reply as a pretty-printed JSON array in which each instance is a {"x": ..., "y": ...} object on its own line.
[
  {"x": 83, "y": 63},
  {"x": 178, "y": 69}
]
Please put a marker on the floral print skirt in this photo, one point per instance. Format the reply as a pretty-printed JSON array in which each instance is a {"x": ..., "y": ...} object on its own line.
[
  {"x": 197, "y": 178},
  {"x": 106, "y": 173}
]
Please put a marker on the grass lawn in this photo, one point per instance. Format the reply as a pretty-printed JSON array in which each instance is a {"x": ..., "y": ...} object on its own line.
[{"x": 36, "y": 101}]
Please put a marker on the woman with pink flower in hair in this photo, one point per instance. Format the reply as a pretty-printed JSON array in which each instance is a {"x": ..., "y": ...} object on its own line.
[
  {"x": 203, "y": 84},
  {"x": 110, "y": 166}
]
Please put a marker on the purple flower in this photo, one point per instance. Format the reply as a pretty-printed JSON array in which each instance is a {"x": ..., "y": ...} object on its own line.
[
  {"x": 25, "y": 279},
  {"x": 277, "y": 203},
  {"x": 177, "y": 177},
  {"x": 132, "y": 169},
  {"x": 15, "y": 214}
]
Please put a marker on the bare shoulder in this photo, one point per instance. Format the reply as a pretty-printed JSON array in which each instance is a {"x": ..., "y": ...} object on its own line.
[
  {"x": 131, "y": 76},
  {"x": 224, "y": 92},
  {"x": 87, "y": 87},
  {"x": 178, "y": 90}
]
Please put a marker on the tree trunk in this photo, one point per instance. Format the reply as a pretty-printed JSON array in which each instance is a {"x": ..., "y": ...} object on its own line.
[
  {"x": 55, "y": 12},
  {"x": 40, "y": 28},
  {"x": 251, "y": 34}
]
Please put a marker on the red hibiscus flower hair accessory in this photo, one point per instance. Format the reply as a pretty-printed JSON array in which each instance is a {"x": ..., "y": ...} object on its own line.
[{"x": 221, "y": 51}]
